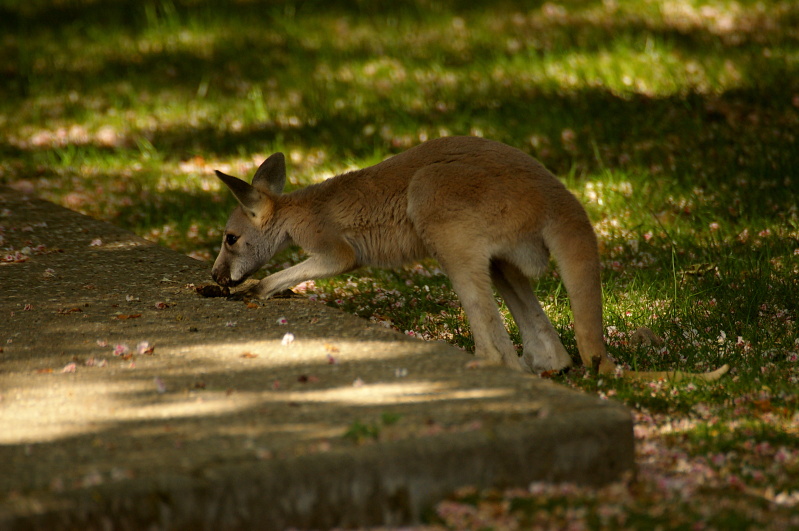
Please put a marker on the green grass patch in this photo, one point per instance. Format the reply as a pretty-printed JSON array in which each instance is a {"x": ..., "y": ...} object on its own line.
[{"x": 674, "y": 122}]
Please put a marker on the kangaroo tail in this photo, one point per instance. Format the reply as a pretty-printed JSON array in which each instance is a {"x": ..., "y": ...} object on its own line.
[
  {"x": 572, "y": 242},
  {"x": 673, "y": 376}
]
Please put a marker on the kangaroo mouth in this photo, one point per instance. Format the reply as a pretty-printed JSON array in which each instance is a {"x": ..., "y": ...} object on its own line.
[
  {"x": 226, "y": 282},
  {"x": 230, "y": 283}
]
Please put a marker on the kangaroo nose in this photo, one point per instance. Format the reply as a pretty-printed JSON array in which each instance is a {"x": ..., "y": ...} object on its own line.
[{"x": 223, "y": 279}]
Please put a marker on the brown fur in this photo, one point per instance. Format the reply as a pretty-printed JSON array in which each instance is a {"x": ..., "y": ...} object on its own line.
[{"x": 489, "y": 213}]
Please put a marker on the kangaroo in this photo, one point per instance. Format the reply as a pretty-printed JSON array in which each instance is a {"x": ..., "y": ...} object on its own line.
[{"x": 487, "y": 212}]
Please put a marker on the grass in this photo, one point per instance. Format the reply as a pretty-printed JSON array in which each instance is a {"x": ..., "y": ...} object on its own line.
[{"x": 675, "y": 123}]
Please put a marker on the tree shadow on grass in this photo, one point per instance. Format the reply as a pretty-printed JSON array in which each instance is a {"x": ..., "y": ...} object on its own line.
[
  {"x": 259, "y": 50},
  {"x": 240, "y": 57}
]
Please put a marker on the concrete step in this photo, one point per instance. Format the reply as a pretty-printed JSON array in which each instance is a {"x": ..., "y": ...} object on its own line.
[{"x": 128, "y": 401}]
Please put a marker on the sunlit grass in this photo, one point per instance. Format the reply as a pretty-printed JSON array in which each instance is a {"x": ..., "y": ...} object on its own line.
[{"x": 674, "y": 122}]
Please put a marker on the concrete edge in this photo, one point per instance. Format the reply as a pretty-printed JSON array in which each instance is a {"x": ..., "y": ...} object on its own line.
[{"x": 377, "y": 484}]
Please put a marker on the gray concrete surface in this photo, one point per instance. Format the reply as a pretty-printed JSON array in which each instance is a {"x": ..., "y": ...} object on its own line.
[{"x": 209, "y": 421}]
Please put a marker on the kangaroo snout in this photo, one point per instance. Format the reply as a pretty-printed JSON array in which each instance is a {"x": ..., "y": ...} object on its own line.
[
  {"x": 223, "y": 279},
  {"x": 221, "y": 276}
]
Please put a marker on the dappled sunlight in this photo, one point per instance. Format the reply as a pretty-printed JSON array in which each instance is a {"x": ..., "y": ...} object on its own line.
[
  {"x": 82, "y": 408},
  {"x": 197, "y": 406},
  {"x": 231, "y": 378},
  {"x": 734, "y": 20},
  {"x": 563, "y": 47},
  {"x": 673, "y": 121},
  {"x": 396, "y": 393}
]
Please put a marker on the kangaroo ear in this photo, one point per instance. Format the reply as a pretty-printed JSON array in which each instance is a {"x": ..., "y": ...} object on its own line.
[
  {"x": 271, "y": 175},
  {"x": 247, "y": 195}
]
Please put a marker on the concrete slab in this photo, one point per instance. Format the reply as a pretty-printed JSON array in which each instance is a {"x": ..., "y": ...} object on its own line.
[{"x": 128, "y": 401}]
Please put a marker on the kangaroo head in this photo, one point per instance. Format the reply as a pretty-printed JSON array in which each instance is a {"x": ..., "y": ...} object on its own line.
[{"x": 252, "y": 235}]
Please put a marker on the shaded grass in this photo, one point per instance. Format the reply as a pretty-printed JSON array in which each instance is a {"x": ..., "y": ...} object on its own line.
[{"x": 674, "y": 122}]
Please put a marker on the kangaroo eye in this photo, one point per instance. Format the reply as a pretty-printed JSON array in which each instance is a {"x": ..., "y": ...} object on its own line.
[{"x": 231, "y": 239}]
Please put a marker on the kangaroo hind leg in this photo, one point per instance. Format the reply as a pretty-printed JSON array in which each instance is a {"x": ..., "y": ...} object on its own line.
[
  {"x": 543, "y": 350},
  {"x": 444, "y": 206},
  {"x": 472, "y": 283}
]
